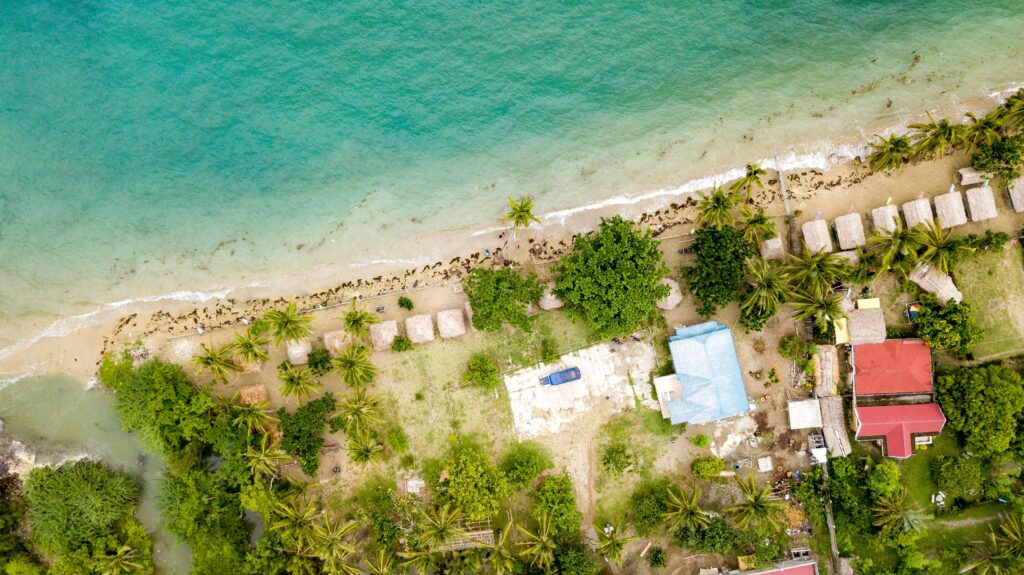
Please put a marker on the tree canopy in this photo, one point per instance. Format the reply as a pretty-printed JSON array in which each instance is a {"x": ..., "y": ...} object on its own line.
[
  {"x": 949, "y": 327},
  {"x": 982, "y": 404},
  {"x": 718, "y": 275},
  {"x": 473, "y": 484},
  {"x": 303, "y": 431},
  {"x": 611, "y": 278},
  {"x": 1003, "y": 157},
  {"x": 499, "y": 296}
]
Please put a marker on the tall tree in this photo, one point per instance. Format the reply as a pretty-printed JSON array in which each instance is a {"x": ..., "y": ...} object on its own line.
[
  {"x": 818, "y": 304},
  {"x": 364, "y": 447},
  {"x": 750, "y": 181},
  {"x": 756, "y": 225},
  {"x": 520, "y": 213},
  {"x": 1012, "y": 113},
  {"x": 383, "y": 563},
  {"x": 982, "y": 404},
  {"x": 988, "y": 559},
  {"x": 263, "y": 459},
  {"x": 1010, "y": 536},
  {"x": 358, "y": 411},
  {"x": 538, "y": 547},
  {"x": 890, "y": 153},
  {"x": 940, "y": 248},
  {"x": 714, "y": 209},
  {"x": 251, "y": 347},
  {"x": 935, "y": 137},
  {"x": 767, "y": 290},
  {"x": 983, "y": 131},
  {"x": 124, "y": 561},
  {"x": 610, "y": 543},
  {"x": 255, "y": 417},
  {"x": 354, "y": 366},
  {"x": 684, "y": 508},
  {"x": 295, "y": 522},
  {"x": 898, "y": 248},
  {"x": 759, "y": 508},
  {"x": 288, "y": 324},
  {"x": 331, "y": 544},
  {"x": 217, "y": 360},
  {"x": 357, "y": 322},
  {"x": 441, "y": 525},
  {"x": 895, "y": 513},
  {"x": 500, "y": 557},
  {"x": 297, "y": 382},
  {"x": 717, "y": 276},
  {"x": 816, "y": 271}
]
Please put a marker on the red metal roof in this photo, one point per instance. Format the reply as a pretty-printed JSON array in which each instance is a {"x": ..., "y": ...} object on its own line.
[
  {"x": 895, "y": 367},
  {"x": 898, "y": 423},
  {"x": 809, "y": 568}
]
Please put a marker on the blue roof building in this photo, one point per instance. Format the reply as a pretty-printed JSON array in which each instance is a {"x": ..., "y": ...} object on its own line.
[{"x": 707, "y": 385}]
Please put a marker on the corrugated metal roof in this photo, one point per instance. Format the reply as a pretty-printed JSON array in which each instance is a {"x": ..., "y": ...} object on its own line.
[
  {"x": 898, "y": 424},
  {"x": 897, "y": 366}
]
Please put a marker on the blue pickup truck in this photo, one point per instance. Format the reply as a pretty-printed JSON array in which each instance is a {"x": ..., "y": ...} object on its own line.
[{"x": 560, "y": 377}]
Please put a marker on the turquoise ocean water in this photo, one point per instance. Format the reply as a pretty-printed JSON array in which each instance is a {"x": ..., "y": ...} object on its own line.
[{"x": 153, "y": 147}]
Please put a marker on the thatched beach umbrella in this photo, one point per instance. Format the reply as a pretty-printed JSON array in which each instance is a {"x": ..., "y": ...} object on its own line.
[
  {"x": 885, "y": 219},
  {"x": 816, "y": 236},
  {"x": 419, "y": 328},
  {"x": 849, "y": 231},
  {"x": 773, "y": 249},
  {"x": 1016, "y": 193},
  {"x": 451, "y": 323},
  {"x": 382, "y": 334},
  {"x": 335, "y": 341},
  {"x": 255, "y": 393},
  {"x": 298, "y": 351},
  {"x": 949, "y": 208},
  {"x": 918, "y": 211},
  {"x": 674, "y": 297},
  {"x": 970, "y": 177},
  {"x": 850, "y": 255},
  {"x": 548, "y": 301},
  {"x": 935, "y": 282},
  {"x": 981, "y": 202}
]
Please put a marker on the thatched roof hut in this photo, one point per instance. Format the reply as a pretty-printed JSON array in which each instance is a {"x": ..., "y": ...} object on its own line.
[
  {"x": 917, "y": 211},
  {"x": 419, "y": 328},
  {"x": 298, "y": 351},
  {"x": 382, "y": 334},
  {"x": 833, "y": 421},
  {"x": 866, "y": 326},
  {"x": 255, "y": 393},
  {"x": 450, "y": 323},
  {"x": 850, "y": 256},
  {"x": 773, "y": 249},
  {"x": 981, "y": 202},
  {"x": 970, "y": 176},
  {"x": 548, "y": 301},
  {"x": 935, "y": 282},
  {"x": 1016, "y": 193},
  {"x": 469, "y": 316},
  {"x": 335, "y": 341},
  {"x": 674, "y": 297},
  {"x": 885, "y": 219},
  {"x": 816, "y": 236},
  {"x": 949, "y": 208},
  {"x": 849, "y": 231}
]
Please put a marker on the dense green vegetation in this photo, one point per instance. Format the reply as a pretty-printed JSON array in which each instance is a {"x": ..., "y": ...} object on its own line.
[
  {"x": 717, "y": 277},
  {"x": 500, "y": 296},
  {"x": 949, "y": 327}
]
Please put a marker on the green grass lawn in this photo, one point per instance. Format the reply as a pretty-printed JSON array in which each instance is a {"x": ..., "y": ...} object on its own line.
[
  {"x": 917, "y": 469},
  {"x": 993, "y": 283}
]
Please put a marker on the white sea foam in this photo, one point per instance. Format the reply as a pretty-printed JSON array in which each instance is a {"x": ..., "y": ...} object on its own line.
[
  {"x": 8, "y": 379},
  {"x": 489, "y": 230},
  {"x": 390, "y": 261}
]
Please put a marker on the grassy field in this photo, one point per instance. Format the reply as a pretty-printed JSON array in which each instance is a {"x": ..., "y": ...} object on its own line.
[{"x": 993, "y": 283}]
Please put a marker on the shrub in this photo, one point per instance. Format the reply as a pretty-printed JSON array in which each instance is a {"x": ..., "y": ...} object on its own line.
[
  {"x": 657, "y": 558},
  {"x": 397, "y": 439},
  {"x": 481, "y": 371},
  {"x": 524, "y": 462},
  {"x": 885, "y": 478},
  {"x": 549, "y": 350},
  {"x": 320, "y": 362},
  {"x": 956, "y": 475},
  {"x": 556, "y": 498},
  {"x": 715, "y": 537},
  {"x": 793, "y": 348},
  {"x": 401, "y": 343},
  {"x": 616, "y": 458},
  {"x": 648, "y": 504},
  {"x": 1004, "y": 157},
  {"x": 576, "y": 559},
  {"x": 472, "y": 483},
  {"x": 707, "y": 467},
  {"x": 701, "y": 440},
  {"x": 405, "y": 303}
]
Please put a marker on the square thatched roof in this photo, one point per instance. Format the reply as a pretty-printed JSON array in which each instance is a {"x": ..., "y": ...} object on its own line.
[
  {"x": 850, "y": 256},
  {"x": 970, "y": 176},
  {"x": 419, "y": 328},
  {"x": 335, "y": 341},
  {"x": 866, "y": 326},
  {"x": 450, "y": 323},
  {"x": 849, "y": 231},
  {"x": 949, "y": 208},
  {"x": 982, "y": 204},
  {"x": 674, "y": 297},
  {"x": 833, "y": 420},
  {"x": 935, "y": 282},
  {"x": 548, "y": 301},
  {"x": 885, "y": 219},
  {"x": 773, "y": 249},
  {"x": 817, "y": 237},
  {"x": 382, "y": 334},
  {"x": 255, "y": 393},
  {"x": 298, "y": 351},
  {"x": 1016, "y": 193},
  {"x": 918, "y": 211}
]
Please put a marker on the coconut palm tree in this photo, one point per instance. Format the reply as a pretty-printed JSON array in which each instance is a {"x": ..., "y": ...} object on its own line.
[
  {"x": 441, "y": 525},
  {"x": 890, "y": 153},
  {"x": 768, "y": 288},
  {"x": 217, "y": 360},
  {"x": 255, "y": 417},
  {"x": 896, "y": 514},
  {"x": 935, "y": 137},
  {"x": 759, "y": 509},
  {"x": 358, "y": 410},
  {"x": 610, "y": 544},
  {"x": 988, "y": 559},
  {"x": 713, "y": 209},
  {"x": 520, "y": 213},
  {"x": 295, "y": 522},
  {"x": 683, "y": 507},
  {"x": 264, "y": 458},
  {"x": 288, "y": 324},
  {"x": 469, "y": 562},
  {"x": 358, "y": 321},
  {"x": 983, "y": 131},
  {"x": 354, "y": 366},
  {"x": 818, "y": 304},
  {"x": 750, "y": 181},
  {"x": 363, "y": 447},
  {"x": 818, "y": 270},
  {"x": 538, "y": 548},
  {"x": 251, "y": 347},
  {"x": 297, "y": 382},
  {"x": 756, "y": 225},
  {"x": 940, "y": 248},
  {"x": 500, "y": 557},
  {"x": 422, "y": 561},
  {"x": 330, "y": 541},
  {"x": 1010, "y": 536},
  {"x": 381, "y": 564},
  {"x": 898, "y": 248},
  {"x": 1012, "y": 113},
  {"x": 124, "y": 561}
]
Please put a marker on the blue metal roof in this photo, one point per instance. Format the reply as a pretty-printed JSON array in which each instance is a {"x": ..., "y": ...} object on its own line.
[{"x": 705, "y": 361}]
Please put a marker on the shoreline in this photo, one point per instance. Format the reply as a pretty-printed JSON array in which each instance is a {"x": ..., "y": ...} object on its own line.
[{"x": 182, "y": 313}]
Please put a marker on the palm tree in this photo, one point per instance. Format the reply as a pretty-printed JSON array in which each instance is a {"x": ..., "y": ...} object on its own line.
[
  {"x": 264, "y": 459},
  {"x": 1012, "y": 114},
  {"x": 297, "y": 382},
  {"x": 381, "y": 564},
  {"x": 500, "y": 557},
  {"x": 609, "y": 544},
  {"x": 357, "y": 411},
  {"x": 941, "y": 249},
  {"x": 354, "y": 366},
  {"x": 469, "y": 562},
  {"x": 122, "y": 562},
  {"x": 935, "y": 137},
  {"x": 750, "y": 181},
  {"x": 898, "y": 248},
  {"x": 330, "y": 541},
  {"x": 296, "y": 523},
  {"x": 421, "y": 561},
  {"x": 251, "y": 347},
  {"x": 363, "y": 447},
  {"x": 895, "y": 514},
  {"x": 358, "y": 321},
  {"x": 289, "y": 324},
  {"x": 890, "y": 153},
  {"x": 988, "y": 559},
  {"x": 539, "y": 548},
  {"x": 520, "y": 213},
  {"x": 440, "y": 527},
  {"x": 713, "y": 209},
  {"x": 254, "y": 417},
  {"x": 819, "y": 304},
  {"x": 756, "y": 225},
  {"x": 817, "y": 270},
  {"x": 684, "y": 508},
  {"x": 983, "y": 131},
  {"x": 768, "y": 287},
  {"x": 1010, "y": 537},
  {"x": 759, "y": 508},
  {"x": 218, "y": 361}
]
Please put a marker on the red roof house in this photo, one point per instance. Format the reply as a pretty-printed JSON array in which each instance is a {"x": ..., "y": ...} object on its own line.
[
  {"x": 898, "y": 424},
  {"x": 896, "y": 367},
  {"x": 791, "y": 568}
]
